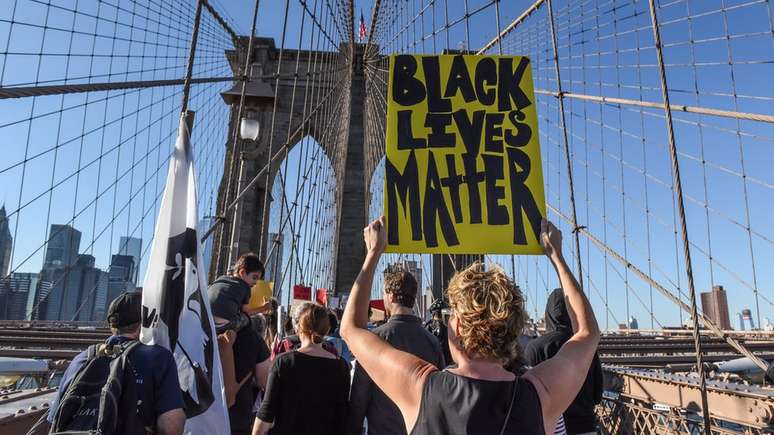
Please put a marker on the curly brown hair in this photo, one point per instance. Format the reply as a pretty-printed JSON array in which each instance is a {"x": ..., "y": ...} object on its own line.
[
  {"x": 402, "y": 286},
  {"x": 489, "y": 309}
]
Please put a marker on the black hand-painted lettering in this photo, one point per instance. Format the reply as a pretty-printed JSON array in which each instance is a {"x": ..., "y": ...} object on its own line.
[
  {"x": 407, "y": 90},
  {"x": 486, "y": 79},
  {"x": 470, "y": 130},
  {"x": 493, "y": 133},
  {"x": 403, "y": 186},
  {"x": 459, "y": 81},
  {"x": 523, "y": 130},
  {"x": 439, "y": 137},
  {"x": 519, "y": 168},
  {"x": 472, "y": 178},
  {"x": 406, "y": 139},
  {"x": 453, "y": 182},
  {"x": 435, "y": 103},
  {"x": 496, "y": 213},
  {"x": 434, "y": 209},
  {"x": 508, "y": 84}
]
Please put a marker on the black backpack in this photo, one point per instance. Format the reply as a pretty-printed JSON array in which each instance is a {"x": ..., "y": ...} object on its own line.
[{"x": 102, "y": 397}]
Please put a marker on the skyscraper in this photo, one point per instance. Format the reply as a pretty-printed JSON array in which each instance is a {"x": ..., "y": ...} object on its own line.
[
  {"x": 62, "y": 246},
  {"x": 120, "y": 277},
  {"x": 6, "y": 243},
  {"x": 715, "y": 306},
  {"x": 131, "y": 246},
  {"x": 14, "y": 294},
  {"x": 73, "y": 295}
]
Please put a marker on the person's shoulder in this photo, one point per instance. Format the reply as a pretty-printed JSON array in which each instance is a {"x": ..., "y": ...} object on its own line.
[
  {"x": 384, "y": 330},
  {"x": 285, "y": 359},
  {"x": 344, "y": 364},
  {"x": 150, "y": 352}
]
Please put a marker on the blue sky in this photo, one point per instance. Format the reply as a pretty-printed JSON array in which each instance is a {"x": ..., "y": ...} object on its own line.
[{"x": 605, "y": 48}]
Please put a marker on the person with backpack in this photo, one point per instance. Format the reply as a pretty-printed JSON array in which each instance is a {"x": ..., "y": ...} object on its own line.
[{"x": 143, "y": 392}]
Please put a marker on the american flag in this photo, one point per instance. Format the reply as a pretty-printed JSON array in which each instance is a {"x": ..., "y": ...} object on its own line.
[{"x": 362, "y": 31}]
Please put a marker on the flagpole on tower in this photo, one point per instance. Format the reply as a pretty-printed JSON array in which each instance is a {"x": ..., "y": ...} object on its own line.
[{"x": 191, "y": 56}]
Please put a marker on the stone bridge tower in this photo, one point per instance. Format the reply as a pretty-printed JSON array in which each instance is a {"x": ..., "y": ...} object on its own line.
[{"x": 245, "y": 226}]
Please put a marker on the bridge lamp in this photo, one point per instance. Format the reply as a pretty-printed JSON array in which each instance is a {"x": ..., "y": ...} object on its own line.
[{"x": 259, "y": 97}]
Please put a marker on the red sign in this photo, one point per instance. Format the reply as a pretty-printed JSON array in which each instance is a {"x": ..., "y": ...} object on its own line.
[
  {"x": 322, "y": 297},
  {"x": 377, "y": 304},
  {"x": 301, "y": 292}
]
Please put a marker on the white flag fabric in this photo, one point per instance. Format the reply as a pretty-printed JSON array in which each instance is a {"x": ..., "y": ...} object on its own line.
[{"x": 176, "y": 311}]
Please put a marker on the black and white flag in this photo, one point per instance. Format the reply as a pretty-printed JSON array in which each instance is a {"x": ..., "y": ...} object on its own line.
[{"x": 176, "y": 310}]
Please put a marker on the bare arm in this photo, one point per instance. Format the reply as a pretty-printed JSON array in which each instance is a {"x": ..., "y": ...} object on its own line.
[
  {"x": 400, "y": 375},
  {"x": 171, "y": 422},
  {"x": 261, "y": 427},
  {"x": 262, "y": 372},
  {"x": 559, "y": 379}
]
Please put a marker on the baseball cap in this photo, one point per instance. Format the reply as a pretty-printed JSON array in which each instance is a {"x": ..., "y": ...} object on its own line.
[{"x": 125, "y": 309}]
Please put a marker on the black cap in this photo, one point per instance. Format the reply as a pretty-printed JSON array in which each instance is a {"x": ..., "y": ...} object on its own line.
[
  {"x": 438, "y": 305},
  {"x": 125, "y": 310}
]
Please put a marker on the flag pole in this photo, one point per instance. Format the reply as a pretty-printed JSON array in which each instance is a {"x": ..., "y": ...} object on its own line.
[{"x": 191, "y": 56}]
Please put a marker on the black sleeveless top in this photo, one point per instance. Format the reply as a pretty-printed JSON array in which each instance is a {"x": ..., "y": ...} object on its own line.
[{"x": 457, "y": 405}]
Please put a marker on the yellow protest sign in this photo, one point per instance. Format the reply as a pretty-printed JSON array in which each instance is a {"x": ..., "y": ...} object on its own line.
[
  {"x": 261, "y": 292},
  {"x": 462, "y": 172}
]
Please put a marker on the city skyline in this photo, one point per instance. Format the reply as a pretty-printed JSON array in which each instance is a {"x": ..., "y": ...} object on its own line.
[{"x": 69, "y": 285}]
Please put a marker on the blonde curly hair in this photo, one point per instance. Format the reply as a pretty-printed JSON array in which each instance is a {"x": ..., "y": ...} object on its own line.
[{"x": 489, "y": 309}]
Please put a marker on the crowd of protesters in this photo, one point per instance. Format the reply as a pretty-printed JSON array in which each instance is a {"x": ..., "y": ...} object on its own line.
[{"x": 468, "y": 370}]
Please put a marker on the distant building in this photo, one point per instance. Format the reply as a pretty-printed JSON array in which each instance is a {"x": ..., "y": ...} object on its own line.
[
  {"x": 276, "y": 256},
  {"x": 633, "y": 324},
  {"x": 120, "y": 277},
  {"x": 62, "y": 246},
  {"x": 746, "y": 317},
  {"x": 715, "y": 306},
  {"x": 74, "y": 292},
  {"x": 131, "y": 246},
  {"x": 6, "y": 243},
  {"x": 15, "y": 293},
  {"x": 36, "y": 300}
]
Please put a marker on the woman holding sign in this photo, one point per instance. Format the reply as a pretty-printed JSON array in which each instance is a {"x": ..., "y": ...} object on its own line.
[{"x": 478, "y": 396}]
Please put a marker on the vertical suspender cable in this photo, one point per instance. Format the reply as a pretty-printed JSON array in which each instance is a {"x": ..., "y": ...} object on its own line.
[
  {"x": 683, "y": 223},
  {"x": 566, "y": 142}
]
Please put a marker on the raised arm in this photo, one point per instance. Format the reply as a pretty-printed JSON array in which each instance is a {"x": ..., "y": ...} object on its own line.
[
  {"x": 400, "y": 375},
  {"x": 559, "y": 379}
]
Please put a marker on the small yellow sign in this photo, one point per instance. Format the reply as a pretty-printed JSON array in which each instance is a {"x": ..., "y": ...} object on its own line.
[
  {"x": 261, "y": 292},
  {"x": 463, "y": 173}
]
